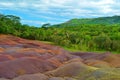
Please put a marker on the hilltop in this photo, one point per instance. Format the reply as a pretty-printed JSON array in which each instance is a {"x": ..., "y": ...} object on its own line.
[{"x": 91, "y": 21}]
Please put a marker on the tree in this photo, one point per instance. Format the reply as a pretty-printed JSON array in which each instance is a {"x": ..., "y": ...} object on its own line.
[{"x": 46, "y": 25}]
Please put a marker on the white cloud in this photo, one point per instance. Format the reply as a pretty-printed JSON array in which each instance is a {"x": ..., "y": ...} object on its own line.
[
  {"x": 32, "y": 21},
  {"x": 6, "y": 4},
  {"x": 60, "y": 10}
]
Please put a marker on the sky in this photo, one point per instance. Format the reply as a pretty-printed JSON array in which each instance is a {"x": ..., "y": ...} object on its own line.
[{"x": 38, "y": 12}]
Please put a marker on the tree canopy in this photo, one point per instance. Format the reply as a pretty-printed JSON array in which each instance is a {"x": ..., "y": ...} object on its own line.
[{"x": 96, "y": 34}]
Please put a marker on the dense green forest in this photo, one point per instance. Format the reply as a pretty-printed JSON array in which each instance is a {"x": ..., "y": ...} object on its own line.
[
  {"x": 94, "y": 34},
  {"x": 89, "y": 21}
]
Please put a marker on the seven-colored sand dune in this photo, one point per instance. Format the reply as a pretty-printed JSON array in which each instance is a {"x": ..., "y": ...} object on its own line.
[{"x": 22, "y": 59}]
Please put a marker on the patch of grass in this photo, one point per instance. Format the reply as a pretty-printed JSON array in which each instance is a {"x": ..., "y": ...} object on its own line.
[
  {"x": 71, "y": 49},
  {"x": 48, "y": 42},
  {"x": 77, "y": 50}
]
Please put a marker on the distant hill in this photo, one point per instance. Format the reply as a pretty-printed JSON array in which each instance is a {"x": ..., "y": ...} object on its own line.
[
  {"x": 90, "y": 34},
  {"x": 92, "y": 21}
]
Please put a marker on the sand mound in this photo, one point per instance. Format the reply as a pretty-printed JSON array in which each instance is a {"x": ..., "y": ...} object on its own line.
[
  {"x": 32, "y": 77},
  {"x": 71, "y": 69},
  {"x": 22, "y": 59}
]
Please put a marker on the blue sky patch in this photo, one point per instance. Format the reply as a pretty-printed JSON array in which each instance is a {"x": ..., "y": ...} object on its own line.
[{"x": 38, "y": 12}]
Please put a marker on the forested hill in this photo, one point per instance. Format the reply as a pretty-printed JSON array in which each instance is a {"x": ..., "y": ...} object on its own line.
[
  {"x": 24, "y": 59},
  {"x": 92, "y": 21},
  {"x": 76, "y": 34}
]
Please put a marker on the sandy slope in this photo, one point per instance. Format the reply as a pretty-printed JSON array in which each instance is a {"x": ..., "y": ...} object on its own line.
[{"x": 22, "y": 59}]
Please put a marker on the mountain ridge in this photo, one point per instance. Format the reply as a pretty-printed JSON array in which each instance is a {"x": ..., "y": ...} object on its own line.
[{"x": 110, "y": 20}]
